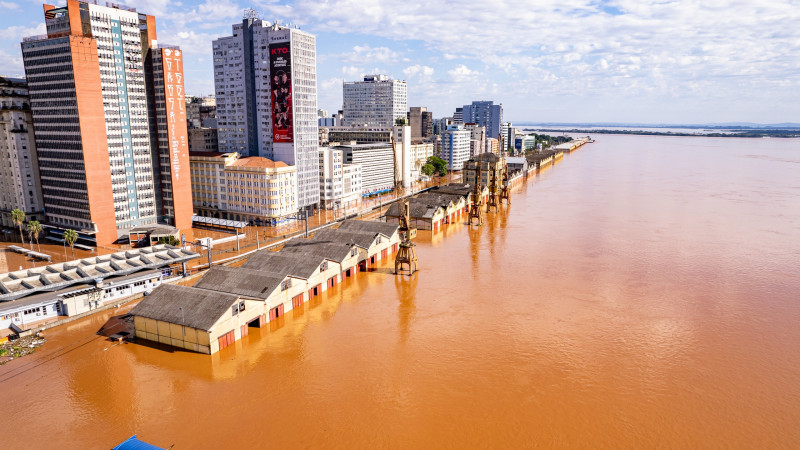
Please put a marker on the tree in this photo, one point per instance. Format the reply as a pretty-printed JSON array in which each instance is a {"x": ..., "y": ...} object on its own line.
[
  {"x": 34, "y": 229},
  {"x": 70, "y": 236},
  {"x": 439, "y": 165},
  {"x": 400, "y": 121},
  {"x": 428, "y": 169},
  {"x": 18, "y": 216},
  {"x": 171, "y": 240}
]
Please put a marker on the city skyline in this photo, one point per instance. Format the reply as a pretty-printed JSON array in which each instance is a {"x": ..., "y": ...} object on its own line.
[{"x": 580, "y": 61}]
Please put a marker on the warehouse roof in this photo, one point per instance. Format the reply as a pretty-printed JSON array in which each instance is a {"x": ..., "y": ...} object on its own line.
[
  {"x": 419, "y": 209},
  {"x": 335, "y": 251},
  {"x": 385, "y": 228},
  {"x": 183, "y": 305},
  {"x": 360, "y": 239},
  {"x": 240, "y": 281},
  {"x": 282, "y": 264},
  {"x": 14, "y": 285}
]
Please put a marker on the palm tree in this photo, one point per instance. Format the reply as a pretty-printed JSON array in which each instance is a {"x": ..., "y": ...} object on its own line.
[
  {"x": 34, "y": 229},
  {"x": 70, "y": 236},
  {"x": 18, "y": 216}
]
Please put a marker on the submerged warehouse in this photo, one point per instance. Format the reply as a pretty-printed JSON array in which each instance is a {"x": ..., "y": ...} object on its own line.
[{"x": 227, "y": 301}]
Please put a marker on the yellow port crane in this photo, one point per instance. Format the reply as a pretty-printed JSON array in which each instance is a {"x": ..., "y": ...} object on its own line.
[
  {"x": 475, "y": 206},
  {"x": 406, "y": 255}
]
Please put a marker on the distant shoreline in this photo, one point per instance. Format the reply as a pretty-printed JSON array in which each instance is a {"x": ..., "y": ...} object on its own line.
[{"x": 738, "y": 133}]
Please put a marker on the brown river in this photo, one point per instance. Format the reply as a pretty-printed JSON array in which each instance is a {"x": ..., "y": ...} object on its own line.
[{"x": 642, "y": 293}]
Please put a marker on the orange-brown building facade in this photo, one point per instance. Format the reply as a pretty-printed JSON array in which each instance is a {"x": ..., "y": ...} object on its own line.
[{"x": 105, "y": 148}]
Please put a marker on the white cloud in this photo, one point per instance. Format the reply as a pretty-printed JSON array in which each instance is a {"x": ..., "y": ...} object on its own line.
[
  {"x": 424, "y": 72},
  {"x": 9, "y": 5}
]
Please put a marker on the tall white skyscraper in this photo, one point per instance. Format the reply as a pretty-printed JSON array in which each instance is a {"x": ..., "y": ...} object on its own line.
[
  {"x": 376, "y": 101},
  {"x": 265, "y": 77}
]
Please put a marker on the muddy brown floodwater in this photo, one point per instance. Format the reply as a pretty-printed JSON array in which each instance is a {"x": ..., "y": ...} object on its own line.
[{"x": 643, "y": 293}]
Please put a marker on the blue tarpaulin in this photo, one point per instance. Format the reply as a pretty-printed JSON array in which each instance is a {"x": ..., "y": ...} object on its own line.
[{"x": 133, "y": 443}]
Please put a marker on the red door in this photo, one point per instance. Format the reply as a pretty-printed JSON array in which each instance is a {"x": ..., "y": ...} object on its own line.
[
  {"x": 226, "y": 339},
  {"x": 297, "y": 300},
  {"x": 245, "y": 330},
  {"x": 383, "y": 253},
  {"x": 362, "y": 266},
  {"x": 394, "y": 248}
]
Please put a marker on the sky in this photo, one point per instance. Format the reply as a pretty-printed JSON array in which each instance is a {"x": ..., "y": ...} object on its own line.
[{"x": 668, "y": 62}]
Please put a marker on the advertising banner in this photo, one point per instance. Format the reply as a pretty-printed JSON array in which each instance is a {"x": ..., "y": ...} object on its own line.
[{"x": 280, "y": 65}]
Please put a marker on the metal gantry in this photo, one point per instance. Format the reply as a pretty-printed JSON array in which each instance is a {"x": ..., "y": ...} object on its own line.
[
  {"x": 406, "y": 255},
  {"x": 475, "y": 211}
]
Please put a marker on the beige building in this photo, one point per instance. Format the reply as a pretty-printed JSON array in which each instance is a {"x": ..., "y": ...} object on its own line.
[
  {"x": 19, "y": 166},
  {"x": 253, "y": 189},
  {"x": 221, "y": 308}
]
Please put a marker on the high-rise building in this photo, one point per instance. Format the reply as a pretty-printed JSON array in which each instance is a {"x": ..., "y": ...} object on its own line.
[
  {"x": 19, "y": 164},
  {"x": 377, "y": 165},
  {"x": 485, "y": 114},
  {"x": 110, "y": 122},
  {"x": 421, "y": 122},
  {"x": 455, "y": 146},
  {"x": 458, "y": 116},
  {"x": 265, "y": 76},
  {"x": 509, "y": 134},
  {"x": 440, "y": 125},
  {"x": 477, "y": 140},
  {"x": 376, "y": 101}
]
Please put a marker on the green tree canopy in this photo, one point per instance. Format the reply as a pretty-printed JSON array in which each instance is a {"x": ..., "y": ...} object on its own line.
[
  {"x": 171, "y": 240},
  {"x": 439, "y": 165},
  {"x": 428, "y": 169}
]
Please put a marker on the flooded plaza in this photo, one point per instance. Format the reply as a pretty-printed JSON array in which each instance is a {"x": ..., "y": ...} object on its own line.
[{"x": 643, "y": 292}]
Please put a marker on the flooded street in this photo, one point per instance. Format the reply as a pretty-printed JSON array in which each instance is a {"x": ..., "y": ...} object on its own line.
[{"x": 642, "y": 293}]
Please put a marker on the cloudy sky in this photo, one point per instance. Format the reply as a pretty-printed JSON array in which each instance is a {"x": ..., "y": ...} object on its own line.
[{"x": 544, "y": 60}]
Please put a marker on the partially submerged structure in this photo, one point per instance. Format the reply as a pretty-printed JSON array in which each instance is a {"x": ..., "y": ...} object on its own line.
[{"x": 265, "y": 287}]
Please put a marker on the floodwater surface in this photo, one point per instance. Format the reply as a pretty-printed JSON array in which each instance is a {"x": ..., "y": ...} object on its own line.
[{"x": 642, "y": 293}]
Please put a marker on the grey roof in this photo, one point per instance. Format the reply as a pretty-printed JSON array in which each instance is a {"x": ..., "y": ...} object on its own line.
[
  {"x": 44, "y": 298},
  {"x": 282, "y": 264},
  {"x": 14, "y": 285},
  {"x": 455, "y": 189},
  {"x": 360, "y": 239},
  {"x": 385, "y": 228},
  {"x": 240, "y": 281},
  {"x": 335, "y": 251},
  {"x": 439, "y": 198},
  {"x": 183, "y": 305},
  {"x": 419, "y": 209}
]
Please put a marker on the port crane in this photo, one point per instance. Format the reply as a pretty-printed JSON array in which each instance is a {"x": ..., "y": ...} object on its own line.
[
  {"x": 406, "y": 255},
  {"x": 475, "y": 206}
]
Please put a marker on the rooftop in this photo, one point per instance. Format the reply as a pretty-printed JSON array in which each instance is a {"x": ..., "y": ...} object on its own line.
[
  {"x": 183, "y": 305},
  {"x": 280, "y": 264},
  {"x": 241, "y": 281},
  {"x": 387, "y": 229},
  {"x": 21, "y": 283},
  {"x": 258, "y": 161}
]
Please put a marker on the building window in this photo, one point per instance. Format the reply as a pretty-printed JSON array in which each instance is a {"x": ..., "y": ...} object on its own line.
[
  {"x": 324, "y": 266},
  {"x": 286, "y": 284}
]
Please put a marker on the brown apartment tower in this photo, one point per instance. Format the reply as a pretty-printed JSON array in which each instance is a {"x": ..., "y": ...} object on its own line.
[{"x": 110, "y": 122}]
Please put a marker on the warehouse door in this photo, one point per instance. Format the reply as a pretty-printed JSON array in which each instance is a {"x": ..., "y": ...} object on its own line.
[
  {"x": 297, "y": 301},
  {"x": 226, "y": 339}
]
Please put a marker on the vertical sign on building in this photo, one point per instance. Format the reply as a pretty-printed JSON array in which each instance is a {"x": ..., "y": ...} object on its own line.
[
  {"x": 280, "y": 65},
  {"x": 176, "y": 114},
  {"x": 177, "y": 137}
]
